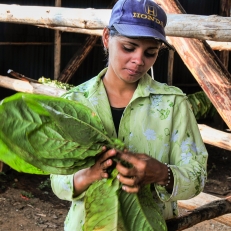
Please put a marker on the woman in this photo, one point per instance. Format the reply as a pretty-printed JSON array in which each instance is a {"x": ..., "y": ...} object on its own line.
[{"x": 153, "y": 120}]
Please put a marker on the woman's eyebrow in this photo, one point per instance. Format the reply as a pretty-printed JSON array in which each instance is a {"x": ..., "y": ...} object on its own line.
[{"x": 151, "y": 47}]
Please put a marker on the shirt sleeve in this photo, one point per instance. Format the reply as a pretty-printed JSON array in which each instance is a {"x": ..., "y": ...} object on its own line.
[
  {"x": 188, "y": 156},
  {"x": 62, "y": 186}
]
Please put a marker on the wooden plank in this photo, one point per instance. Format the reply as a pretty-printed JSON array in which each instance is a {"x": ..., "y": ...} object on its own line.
[
  {"x": 212, "y": 27},
  {"x": 215, "y": 137},
  {"x": 202, "y": 199},
  {"x": 219, "y": 45},
  {"x": 29, "y": 87}
]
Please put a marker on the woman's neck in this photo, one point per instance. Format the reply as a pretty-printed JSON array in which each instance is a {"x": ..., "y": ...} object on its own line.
[{"x": 119, "y": 92}]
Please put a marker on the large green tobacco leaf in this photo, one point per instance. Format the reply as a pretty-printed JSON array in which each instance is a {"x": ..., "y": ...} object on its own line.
[
  {"x": 44, "y": 134},
  {"x": 140, "y": 212},
  {"x": 13, "y": 160},
  {"x": 102, "y": 206},
  {"x": 109, "y": 208},
  {"x": 53, "y": 134}
]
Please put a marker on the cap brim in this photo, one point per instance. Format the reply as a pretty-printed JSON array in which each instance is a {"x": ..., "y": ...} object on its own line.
[{"x": 136, "y": 31}]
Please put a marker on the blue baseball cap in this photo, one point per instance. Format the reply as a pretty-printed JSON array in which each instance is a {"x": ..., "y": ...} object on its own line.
[{"x": 139, "y": 18}]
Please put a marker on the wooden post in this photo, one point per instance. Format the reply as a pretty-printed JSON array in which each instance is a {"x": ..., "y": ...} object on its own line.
[
  {"x": 223, "y": 55},
  {"x": 57, "y": 47},
  {"x": 170, "y": 66},
  {"x": 204, "y": 65},
  {"x": 225, "y": 7}
]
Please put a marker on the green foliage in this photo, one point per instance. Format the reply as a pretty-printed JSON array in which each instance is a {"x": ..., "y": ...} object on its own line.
[
  {"x": 45, "y": 184},
  {"x": 44, "y": 134},
  {"x": 27, "y": 194},
  {"x": 201, "y": 105}
]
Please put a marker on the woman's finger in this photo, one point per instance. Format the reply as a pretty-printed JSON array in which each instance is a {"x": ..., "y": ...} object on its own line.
[
  {"x": 128, "y": 157},
  {"x": 105, "y": 164},
  {"x": 130, "y": 181},
  {"x": 108, "y": 154},
  {"x": 134, "y": 189}
]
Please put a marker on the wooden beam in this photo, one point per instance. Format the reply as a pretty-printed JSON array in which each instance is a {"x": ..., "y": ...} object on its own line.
[
  {"x": 224, "y": 54},
  {"x": 215, "y": 137},
  {"x": 213, "y": 44},
  {"x": 219, "y": 45},
  {"x": 212, "y": 27},
  {"x": 225, "y": 6},
  {"x": 203, "y": 199},
  {"x": 37, "y": 44},
  {"x": 204, "y": 65},
  {"x": 196, "y": 26},
  {"x": 29, "y": 87}
]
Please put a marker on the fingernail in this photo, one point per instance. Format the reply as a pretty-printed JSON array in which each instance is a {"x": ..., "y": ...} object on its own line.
[
  {"x": 124, "y": 188},
  {"x": 118, "y": 176}
]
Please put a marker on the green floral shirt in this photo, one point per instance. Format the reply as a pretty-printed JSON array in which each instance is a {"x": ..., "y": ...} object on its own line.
[{"x": 158, "y": 121}]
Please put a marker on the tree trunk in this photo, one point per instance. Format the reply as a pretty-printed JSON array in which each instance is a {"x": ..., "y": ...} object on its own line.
[
  {"x": 205, "y": 66},
  {"x": 212, "y": 27}
]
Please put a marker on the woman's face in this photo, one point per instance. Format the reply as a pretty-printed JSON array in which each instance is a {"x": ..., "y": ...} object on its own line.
[{"x": 130, "y": 59}]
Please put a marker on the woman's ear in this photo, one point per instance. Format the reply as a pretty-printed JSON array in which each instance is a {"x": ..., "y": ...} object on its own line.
[{"x": 105, "y": 37}]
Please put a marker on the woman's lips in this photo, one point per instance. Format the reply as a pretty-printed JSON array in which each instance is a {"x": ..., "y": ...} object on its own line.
[{"x": 133, "y": 72}]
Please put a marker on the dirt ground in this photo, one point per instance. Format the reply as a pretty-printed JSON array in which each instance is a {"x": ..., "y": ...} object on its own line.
[{"x": 27, "y": 202}]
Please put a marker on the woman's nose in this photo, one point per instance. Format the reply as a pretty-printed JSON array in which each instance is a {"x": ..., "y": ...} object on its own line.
[{"x": 138, "y": 58}]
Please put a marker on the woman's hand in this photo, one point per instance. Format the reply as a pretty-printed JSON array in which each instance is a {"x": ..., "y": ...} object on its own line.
[
  {"x": 103, "y": 161},
  {"x": 85, "y": 177},
  {"x": 144, "y": 170}
]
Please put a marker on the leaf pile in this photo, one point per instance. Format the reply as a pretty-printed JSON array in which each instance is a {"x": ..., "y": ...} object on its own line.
[{"x": 55, "y": 83}]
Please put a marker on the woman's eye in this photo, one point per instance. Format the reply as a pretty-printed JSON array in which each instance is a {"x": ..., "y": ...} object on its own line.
[
  {"x": 151, "y": 53},
  {"x": 129, "y": 49},
  {"x": 147, "y": 54}
]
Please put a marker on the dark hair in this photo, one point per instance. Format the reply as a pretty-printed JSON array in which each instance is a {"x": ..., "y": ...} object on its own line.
[{"x": 113, "y": 31}]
